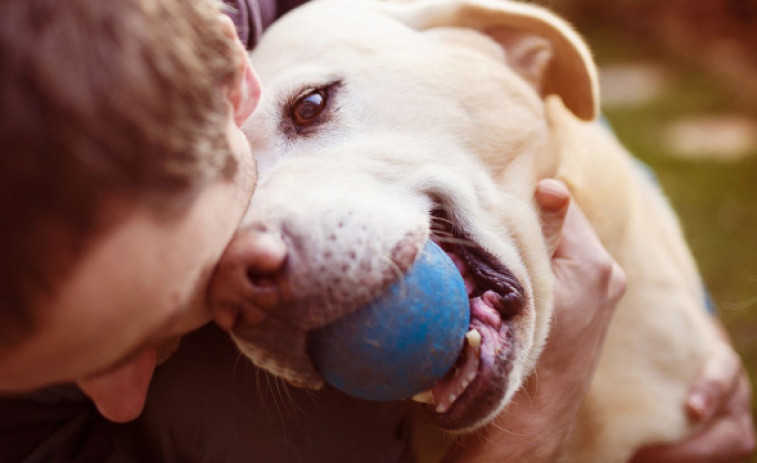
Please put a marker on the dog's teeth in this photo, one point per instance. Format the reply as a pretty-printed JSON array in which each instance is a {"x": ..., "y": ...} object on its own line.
[
  {"x": 474, "y": 338},
  {"x": 472, "y": 376},
  {"x": 441, "y": 408},
  {"x": 425, "y": 397},
  {"x": 452, "y": 398}
]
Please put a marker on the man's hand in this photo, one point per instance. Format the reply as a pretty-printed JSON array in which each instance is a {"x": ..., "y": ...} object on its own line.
[
  {"x": 588, "y": 285},
  {"x": 720, "y": 399}
]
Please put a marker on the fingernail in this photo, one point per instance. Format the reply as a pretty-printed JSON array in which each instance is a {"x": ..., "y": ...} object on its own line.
[
  {"x": 700, "y": 404},
  {"x": 552, "y": 194}
]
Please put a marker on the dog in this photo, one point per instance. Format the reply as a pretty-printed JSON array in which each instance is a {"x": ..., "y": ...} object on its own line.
[{"x": 384, "y": 124}]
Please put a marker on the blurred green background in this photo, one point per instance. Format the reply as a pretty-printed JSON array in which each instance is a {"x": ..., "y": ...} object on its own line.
[{"x": 680, "y": 90}]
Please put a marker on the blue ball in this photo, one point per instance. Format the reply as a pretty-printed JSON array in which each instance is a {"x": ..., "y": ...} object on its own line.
[{"x": 403, "y": 342}]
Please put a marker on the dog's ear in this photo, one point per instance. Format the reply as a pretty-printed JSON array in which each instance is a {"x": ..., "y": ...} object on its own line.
[{"x": 538, "y": 45}]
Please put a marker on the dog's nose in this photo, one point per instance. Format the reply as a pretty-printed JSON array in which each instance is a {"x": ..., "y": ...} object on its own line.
[{"x": 249, "y": 279}]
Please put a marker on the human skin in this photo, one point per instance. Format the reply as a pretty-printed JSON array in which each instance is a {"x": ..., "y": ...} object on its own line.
[
  {"x": 98, "y": 332},
  {"x": 536, "y": 425},
  {"x": 140, "y": 285},
  {"x": 720, "y": 400}
]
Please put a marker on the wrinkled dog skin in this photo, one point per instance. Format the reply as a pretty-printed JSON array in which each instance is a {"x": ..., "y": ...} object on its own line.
[{"x": 384, "y": 124}]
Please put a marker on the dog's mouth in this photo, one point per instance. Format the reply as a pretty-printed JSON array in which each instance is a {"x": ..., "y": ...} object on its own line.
[{"x": 469, "y": 393}]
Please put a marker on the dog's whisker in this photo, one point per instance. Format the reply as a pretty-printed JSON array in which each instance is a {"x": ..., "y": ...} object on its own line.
[
  {"x": 280, "y": 386},
  {"x": 391, "y": 264},
  {"x": 436, "y": 218},
  {"x": 398, "y": 271},
  {"x": 444, "y": 234},
  {"x": 259, "y": 383},
  {"x": 292, "y": 401},
  {"x": 275, "y": 396},
  {"x": 440, "y": 233},
  {"x": 288, "y": 404},
  {"x": 506, "y": 430},
  {"x": 454, "y": 240},
  {"x": 439, "y": 228},
  {"x": 532, "y": 379},
  {"x": 237, "y": 364}
]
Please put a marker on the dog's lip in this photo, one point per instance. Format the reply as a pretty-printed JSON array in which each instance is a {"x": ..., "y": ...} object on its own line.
[
  {"x": 494, "y": 322},
  {"x": 486, "y": 278},
  {"x": 484, "y": 393}
]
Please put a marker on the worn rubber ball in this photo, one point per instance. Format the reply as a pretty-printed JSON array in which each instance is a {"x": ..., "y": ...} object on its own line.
[{"x": 404, "y": 341}]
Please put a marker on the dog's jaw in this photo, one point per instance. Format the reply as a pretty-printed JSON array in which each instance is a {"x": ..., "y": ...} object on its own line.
[
  {"x": 476, "y": 387},
  {"x": 501, "y": 308}
]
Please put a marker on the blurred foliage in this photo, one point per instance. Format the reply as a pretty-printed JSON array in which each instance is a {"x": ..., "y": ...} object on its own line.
[{"x": 718, "y": 35}]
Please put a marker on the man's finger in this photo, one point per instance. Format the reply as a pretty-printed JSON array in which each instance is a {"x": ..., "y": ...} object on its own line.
[
  {"x": 705, "y": 448},
  {"x": 578, "y": 240},
  {"x": 553, "y": 199},
  {"x": 715, "y": 383},
  {"x": 729, "y": 437}
]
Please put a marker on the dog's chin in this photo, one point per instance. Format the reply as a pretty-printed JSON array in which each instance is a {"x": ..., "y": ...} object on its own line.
[{"x": 470, "y": 394}]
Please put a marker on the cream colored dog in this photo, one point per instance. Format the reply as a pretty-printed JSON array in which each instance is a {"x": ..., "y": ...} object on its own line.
[{"x": 384, "y": 124}]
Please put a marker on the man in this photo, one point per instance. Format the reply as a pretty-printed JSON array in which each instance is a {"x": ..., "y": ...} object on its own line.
[
  {"x": 125, "y": 174},
  {"x": 123, "y": 177}
]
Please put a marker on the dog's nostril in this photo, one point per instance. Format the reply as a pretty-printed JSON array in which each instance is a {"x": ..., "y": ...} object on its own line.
[
  {"x": 250, "y": 278},
  {"x": 262, "y": 256},
  {"x": 261, "y": 280}
]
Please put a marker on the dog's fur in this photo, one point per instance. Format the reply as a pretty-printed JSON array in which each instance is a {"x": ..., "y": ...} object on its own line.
[{"x": 463, "y": 105}]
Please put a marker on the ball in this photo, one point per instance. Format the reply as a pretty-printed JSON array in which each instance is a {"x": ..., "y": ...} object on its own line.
[{"x": 404, "y": 341}]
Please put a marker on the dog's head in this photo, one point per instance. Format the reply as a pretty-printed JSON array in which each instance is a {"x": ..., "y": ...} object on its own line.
[{"x": 382, "y": 125}]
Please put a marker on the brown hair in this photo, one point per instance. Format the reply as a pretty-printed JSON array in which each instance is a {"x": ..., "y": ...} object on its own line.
[{"x": 101, "y": 99}]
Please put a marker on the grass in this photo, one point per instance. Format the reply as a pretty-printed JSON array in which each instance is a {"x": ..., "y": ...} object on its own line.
[{"x": 716, "y": 200}]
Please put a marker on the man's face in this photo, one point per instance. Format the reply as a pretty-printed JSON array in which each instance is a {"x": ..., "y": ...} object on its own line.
[{"x": 136, "y": 291}]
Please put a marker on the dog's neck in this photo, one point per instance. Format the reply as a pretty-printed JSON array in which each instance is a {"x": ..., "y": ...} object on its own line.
[{"x": 595, "y": 168}]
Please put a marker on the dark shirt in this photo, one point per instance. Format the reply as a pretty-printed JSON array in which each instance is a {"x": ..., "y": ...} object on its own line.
[
  {"x": 207, "y": 404},
  {"x": 55, "y": 425},
  {"x": 209, "y": 401},
  {"x": 251, "y": 17}
]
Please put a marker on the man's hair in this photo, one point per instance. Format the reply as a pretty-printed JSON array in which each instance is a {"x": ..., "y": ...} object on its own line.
[{"x": 101, "y": 99}]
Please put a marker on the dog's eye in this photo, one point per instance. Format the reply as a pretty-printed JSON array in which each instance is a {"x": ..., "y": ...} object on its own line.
[{"x": 307, "y": 109}]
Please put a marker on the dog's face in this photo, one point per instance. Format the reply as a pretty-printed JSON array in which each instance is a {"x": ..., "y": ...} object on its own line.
[{"x": 383, "y": 125}]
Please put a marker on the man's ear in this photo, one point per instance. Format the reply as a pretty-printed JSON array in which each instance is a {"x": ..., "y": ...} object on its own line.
[
  {"x": 244, "y": 93},
  {"x": 538, "y": 45}
]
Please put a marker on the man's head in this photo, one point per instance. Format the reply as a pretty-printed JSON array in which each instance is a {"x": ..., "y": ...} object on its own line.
[{"x": 122, "y": 178}]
